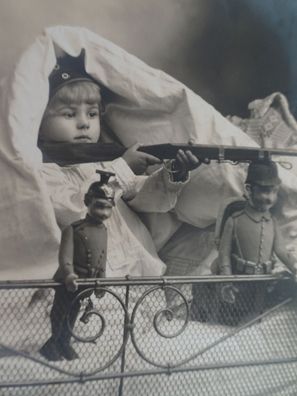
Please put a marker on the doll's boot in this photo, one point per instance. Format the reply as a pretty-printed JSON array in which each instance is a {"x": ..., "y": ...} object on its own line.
[
  {"x": 68, "y": 352},
  {"x": 50, "y": 351},
  {"x": 64, "y": 346}
]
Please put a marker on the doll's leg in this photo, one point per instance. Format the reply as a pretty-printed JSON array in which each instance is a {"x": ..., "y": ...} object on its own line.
[
  {"x": 60, "y": 309},
  {"x": 58, "y": 345},
  {"x": 68, "y": 315},
  {"x": 50, "y": 350}
]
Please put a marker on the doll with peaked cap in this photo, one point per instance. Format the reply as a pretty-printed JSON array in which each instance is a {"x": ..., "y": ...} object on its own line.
[
  {"x": 82, "y": 255},
  {"x": 248, "y": 239},
  {"x": 250, "y": 235}
]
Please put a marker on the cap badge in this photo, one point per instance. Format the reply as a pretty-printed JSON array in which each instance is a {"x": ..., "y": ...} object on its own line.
[{"x": 65, "y": 76}]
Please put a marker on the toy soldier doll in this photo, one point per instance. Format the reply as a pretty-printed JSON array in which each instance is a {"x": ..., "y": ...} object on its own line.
[
  {"x": 82, "y": 255},
  {"x": 251, "y": 237}
]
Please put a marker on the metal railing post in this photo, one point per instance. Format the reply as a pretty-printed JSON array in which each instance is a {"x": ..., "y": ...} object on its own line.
[{"x": 123, "y": 357}]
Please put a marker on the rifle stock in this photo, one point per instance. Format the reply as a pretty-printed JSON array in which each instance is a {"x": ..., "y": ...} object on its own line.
[{"x": 71, "y": 153}]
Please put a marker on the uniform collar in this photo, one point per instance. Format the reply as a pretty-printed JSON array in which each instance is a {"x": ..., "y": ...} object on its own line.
[
  {"x": 256, "y": 215},
  {"x": 92, "y": 221}
]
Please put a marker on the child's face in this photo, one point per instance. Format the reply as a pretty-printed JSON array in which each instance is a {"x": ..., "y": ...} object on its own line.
[
  {"x": 71, "y": 123},
  {"x": 263, "y": 198}
]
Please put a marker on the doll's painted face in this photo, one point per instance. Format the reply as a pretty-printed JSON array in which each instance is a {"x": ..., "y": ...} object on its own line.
[
  {"x": 73, "y": 115},
  {"x": 100, "y": 209},
  {"x": 262, "y": 198}
]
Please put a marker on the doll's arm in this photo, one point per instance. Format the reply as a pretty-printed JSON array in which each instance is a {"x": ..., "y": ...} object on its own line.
[
  {"x": 228, "y": 291},
  {"x": 66, "y": 260},
  {"x": 282, "y": 253},
  {"x": 225, "y": 248}
]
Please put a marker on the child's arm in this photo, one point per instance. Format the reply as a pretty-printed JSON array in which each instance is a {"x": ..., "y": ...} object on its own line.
[
  {"x": 67, "y": 185},
  {"x": 282, "y": 253},
  {"x": 158, "y": 192},
  {"x": 139, "y": 162}
]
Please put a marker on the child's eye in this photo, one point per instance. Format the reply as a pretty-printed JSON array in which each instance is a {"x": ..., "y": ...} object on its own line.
[
  {"x": 68, "y": 114},
  {"x": 93, "y": 113}
]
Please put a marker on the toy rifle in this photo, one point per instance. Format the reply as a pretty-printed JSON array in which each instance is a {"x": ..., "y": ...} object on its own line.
[{"x": 71, "y": 153}]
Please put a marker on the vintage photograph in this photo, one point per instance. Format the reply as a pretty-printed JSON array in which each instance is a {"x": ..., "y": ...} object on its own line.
[{"x": 148, "y": 197}]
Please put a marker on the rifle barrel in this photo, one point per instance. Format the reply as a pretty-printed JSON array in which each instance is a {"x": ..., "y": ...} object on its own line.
[
  {"x": 71, "y": 153},
  {"x": 216, "y": 152}
]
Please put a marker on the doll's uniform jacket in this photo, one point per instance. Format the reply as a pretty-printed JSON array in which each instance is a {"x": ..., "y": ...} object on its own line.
[
  {"x": 130, "y": 248},
  {"x": 83, "y": 250},
  {"x": 248, "y": 240}
]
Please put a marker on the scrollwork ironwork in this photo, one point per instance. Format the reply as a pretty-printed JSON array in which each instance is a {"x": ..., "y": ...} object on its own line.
[
  {"x": 163, "y": 316},
  {"x": 159, "y": 331},
  {"x": 88, "y": 313}
]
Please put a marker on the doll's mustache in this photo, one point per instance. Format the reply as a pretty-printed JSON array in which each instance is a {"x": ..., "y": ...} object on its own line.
[
  {"x": 266, "y": 201},
  {"x": 102, "y": 205}
]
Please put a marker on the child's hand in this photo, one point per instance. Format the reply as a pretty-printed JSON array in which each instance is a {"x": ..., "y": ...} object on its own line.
[
  {"x": 70, "y": 283},
  {"x": 184, "y": 162},
  {"x": 139, "y": 161},
  {"x": 187, "y": 160}
]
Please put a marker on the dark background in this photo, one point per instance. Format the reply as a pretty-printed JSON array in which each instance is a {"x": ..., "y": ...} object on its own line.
[{"x": 247, "y": 50}]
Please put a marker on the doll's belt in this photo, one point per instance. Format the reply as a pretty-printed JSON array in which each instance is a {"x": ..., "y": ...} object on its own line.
[
  {"x": 241, "y": 266},
  {"x": 90, "y": 272}
]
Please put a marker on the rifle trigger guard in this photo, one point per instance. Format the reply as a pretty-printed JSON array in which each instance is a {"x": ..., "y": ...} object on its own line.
[{"x": 221, "y": 156}]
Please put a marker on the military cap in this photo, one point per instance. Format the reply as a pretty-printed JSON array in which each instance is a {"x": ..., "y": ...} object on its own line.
[
  {"x": 263, "y": 173},
  {"x": 68, "y": 69}
]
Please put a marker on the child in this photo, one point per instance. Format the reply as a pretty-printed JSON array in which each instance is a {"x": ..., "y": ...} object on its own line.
[
  {"x": 251, "y": 237},
  {"x": 82, "y": 255},
  {"x": 73, "y": 115}
]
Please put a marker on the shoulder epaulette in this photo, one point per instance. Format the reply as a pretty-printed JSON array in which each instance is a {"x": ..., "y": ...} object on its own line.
[
  {"x": 77, "y": 223},
  {"x": 237, "y": 214}
]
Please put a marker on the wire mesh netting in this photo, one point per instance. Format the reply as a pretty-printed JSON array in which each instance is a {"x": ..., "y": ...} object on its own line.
[{"x": 150, "y": 338}]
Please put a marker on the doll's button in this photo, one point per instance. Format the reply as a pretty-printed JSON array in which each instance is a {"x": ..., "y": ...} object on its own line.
[{"x": 65, "y": 76}]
